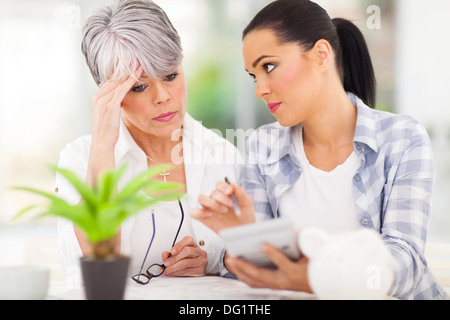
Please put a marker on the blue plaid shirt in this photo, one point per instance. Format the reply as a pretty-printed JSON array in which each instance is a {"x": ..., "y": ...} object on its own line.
[{"x": 392, "y": 189}]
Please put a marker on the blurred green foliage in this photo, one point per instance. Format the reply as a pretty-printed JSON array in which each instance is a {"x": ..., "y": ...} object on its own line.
[
  {"x": 213, "y": 94},
  {"x": 209, "y": 96}
]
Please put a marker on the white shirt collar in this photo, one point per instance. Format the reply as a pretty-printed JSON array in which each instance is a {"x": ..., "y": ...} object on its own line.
[
  {"x": 126, "y": 144},
  {"x": 197, "y": 143}
]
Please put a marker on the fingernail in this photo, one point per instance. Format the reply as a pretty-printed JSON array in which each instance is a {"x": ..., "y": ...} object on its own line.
[
  {"x": 198, "y": 214},
  {"x": 168, "y": 262},
  {"x": 223, "y": 209},
  {"x": 174, "y": 251}
]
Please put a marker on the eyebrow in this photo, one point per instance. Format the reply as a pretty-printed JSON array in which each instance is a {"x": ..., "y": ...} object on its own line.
[{"x": 259, "y": 59}]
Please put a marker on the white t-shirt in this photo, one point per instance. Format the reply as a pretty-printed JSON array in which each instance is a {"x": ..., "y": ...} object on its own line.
[{"x": 319, "y": 198}]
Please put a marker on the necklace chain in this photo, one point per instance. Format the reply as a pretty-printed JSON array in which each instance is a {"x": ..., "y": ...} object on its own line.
[
  {"x": 163, "y": 174},
  {"x": 153, "y": 160}
]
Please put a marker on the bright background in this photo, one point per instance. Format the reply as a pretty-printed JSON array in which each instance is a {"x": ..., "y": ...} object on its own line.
[{"x": 46, "y": 88}]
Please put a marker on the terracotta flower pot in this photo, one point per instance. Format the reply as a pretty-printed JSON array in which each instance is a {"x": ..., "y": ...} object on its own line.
[{"x": 104, "y": 279}]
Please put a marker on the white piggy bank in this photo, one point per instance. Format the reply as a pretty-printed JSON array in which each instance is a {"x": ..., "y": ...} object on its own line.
[{"x": 350, "y": 266}]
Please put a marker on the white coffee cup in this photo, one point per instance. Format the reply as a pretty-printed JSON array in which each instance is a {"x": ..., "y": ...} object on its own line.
[{"x": 24, "y": 282}]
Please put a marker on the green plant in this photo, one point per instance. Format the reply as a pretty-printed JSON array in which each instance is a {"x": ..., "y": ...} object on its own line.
[{"x": 103, "y": 208}]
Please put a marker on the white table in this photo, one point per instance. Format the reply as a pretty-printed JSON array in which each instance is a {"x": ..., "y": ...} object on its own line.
[{"x": 177, "y": 288}]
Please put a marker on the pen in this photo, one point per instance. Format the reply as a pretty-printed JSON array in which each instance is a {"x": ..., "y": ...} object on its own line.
[{"x": 233, "y": 198}]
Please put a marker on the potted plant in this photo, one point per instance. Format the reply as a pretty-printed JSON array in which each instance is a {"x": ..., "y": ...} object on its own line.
[{"x": 99, "y": 214}]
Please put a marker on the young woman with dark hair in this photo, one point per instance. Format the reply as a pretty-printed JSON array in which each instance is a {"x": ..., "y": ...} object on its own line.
[{"x": 331, "y": 160}]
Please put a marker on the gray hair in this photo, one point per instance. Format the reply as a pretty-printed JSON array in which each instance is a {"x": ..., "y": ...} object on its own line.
[{"x": 117, "y": 38}]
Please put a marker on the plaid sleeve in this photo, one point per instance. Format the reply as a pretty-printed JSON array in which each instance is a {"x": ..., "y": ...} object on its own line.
[
  {"x": 253, "y": 181},
  {"x": 406, "y": 219}
]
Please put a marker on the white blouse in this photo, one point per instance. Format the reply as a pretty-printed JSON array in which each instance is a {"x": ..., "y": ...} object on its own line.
[
  {"x": 208, "y": 159},
  {"x": 167, "y": 219}
]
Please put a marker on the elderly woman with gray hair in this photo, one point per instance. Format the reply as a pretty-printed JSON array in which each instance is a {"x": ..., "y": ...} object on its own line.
[{"x": 139, "y": 117}]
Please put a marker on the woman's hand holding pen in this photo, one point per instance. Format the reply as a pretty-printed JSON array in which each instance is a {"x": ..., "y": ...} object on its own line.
[
  {"x": 217, "y": 210},
  {"x": 218, "y": 213}
]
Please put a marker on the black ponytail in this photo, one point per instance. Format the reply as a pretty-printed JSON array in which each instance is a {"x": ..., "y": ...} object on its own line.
[
  {"x": 305, "y": 22},
  {"x": 355, "y": 63}
]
